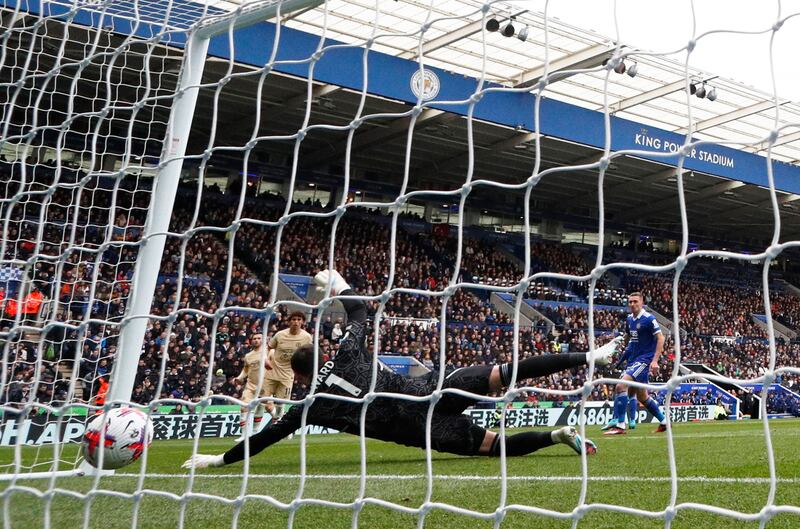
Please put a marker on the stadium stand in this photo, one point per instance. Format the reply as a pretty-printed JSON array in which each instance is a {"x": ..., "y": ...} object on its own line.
[{"x": 477, "y": 332}]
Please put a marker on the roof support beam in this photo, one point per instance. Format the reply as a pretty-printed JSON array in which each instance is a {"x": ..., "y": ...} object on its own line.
[
  {"x": 649, "y": 209},
  {"x": 451, "y": 37},
  {"x": 730, "y": 116},
  {"x": 616, "y": 189},
  {"x": 586, "y": 58},
  {"x": 650, "y": 95},
  {"x": 659, "y": 176},
  {"x": 272, "y": 111},
  {"x": 782, "y": 200},
  {"x": 372, "y": 135},
  {"x": 435, "y": 168},
  {"x": 445, "y": 40},
  {"x": 782, "y": 140},
  {"x": 289, "y": 105}
]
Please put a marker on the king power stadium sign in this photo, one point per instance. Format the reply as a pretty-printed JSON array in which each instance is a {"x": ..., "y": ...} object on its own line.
[
  {"x": 656, "y": 143},
  {"x": 42, "y": 431}
]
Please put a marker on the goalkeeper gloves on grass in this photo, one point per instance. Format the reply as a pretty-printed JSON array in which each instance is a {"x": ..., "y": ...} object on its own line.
[{"x": 203, "y": 461}]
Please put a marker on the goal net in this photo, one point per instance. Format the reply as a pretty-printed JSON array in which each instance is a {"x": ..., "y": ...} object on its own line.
[{"x": 128, "y": 277}]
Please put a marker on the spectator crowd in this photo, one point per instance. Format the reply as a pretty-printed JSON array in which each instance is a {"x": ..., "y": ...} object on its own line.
[{"x": 208, "y": 302}]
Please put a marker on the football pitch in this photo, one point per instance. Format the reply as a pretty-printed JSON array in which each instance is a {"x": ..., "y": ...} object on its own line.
[{"x": 721, "y": 464}]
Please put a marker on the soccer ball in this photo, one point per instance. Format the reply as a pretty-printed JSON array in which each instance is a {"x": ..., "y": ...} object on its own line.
[{"x": 119, "y": 437}]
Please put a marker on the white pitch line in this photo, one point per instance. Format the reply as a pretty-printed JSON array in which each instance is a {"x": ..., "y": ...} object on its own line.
[
  {"x": 407, "y": 477},
  {"x": 655, "y": 436}
]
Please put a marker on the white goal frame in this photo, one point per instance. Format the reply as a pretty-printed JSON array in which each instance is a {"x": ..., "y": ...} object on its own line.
[{"x": 165, "y": 186}]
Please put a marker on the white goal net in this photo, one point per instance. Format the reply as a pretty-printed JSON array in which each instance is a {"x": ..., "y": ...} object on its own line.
[{"x": 174, "y": 172}]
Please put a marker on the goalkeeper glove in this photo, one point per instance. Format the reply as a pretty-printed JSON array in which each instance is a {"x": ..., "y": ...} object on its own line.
[
  {"x": 602, "y": 355},
  {"x": 338, "y": 284},
  {"x": 204, "y": 461}
]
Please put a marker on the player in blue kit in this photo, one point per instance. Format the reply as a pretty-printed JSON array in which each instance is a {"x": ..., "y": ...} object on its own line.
[{"x": 644, "y": 347}]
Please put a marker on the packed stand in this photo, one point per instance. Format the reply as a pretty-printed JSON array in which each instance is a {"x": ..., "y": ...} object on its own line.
[{"x": 477, "y": 332}]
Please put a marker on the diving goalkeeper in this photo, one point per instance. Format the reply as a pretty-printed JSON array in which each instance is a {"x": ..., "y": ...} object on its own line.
[{"x": 349, "y": 374}]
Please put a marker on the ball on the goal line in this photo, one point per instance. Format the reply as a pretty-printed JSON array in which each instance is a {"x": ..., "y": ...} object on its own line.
[{"x": 117, "y": 439}]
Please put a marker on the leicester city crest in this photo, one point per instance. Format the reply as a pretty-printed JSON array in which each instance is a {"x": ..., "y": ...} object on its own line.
[{"x": 425, "y": 86}]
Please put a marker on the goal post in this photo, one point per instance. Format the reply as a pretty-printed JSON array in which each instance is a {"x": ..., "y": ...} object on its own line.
[{"x": 166, "y": 177}]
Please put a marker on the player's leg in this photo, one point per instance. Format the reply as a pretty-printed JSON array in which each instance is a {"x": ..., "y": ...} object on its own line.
[
  {"x": 616, "y": 425},
  {"x": 270, "y": 389},
  {"x": 635, "y": 372},
  {"x": 633, "y": 410},
  {"x": 482, "y": 380},
  {"x": 282, "y": 391},
  {"x": 485, "y": 379},
  {"x": 543, "y": 365},
  {"x": 528, "y": 442},
  {"x": 456, "y": 434},
  {"x": 258, "y": 416},
  {"x": 248, "y": 394},
  {"x": 652, "y": 406}
]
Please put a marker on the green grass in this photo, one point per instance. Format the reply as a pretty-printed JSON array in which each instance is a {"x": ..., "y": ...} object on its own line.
[{"x": 710, "y": 450}]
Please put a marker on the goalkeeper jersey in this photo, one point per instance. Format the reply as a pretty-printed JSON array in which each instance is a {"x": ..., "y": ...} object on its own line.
[{"x": 349, "y": 374}]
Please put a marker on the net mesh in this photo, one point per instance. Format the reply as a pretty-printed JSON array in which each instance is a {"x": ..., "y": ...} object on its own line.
[
  {"x": 83, "y": 119},
  {"x": 87, "y": 92}
]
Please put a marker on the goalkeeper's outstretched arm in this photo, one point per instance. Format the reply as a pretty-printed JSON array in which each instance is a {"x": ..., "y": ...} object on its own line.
[
  {"x": 267, "y": 437},
  {"x": 356, "y": 310},
  {"x": 355, "y": 332}
]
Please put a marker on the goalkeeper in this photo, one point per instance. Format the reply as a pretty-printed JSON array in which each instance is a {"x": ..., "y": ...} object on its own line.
[{"x": 349, "y": 374}]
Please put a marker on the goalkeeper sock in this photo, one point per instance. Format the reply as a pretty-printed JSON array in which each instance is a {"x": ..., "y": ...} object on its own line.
[
  {"x": 652, "y": 407},
  {"x": 522, "y": 443},
  {"x": 633, "y": 408},
  {"x": 539, "y": 366},
  {"x": 620, "y": 407}
]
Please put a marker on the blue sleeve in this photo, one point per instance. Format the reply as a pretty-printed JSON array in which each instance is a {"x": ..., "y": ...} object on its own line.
[{"x": 654, "y": 324}]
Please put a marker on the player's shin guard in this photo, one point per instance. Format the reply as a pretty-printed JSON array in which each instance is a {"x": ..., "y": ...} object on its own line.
[
  {"x": 540, "y": 366},
  {"x": 652, "y": 407},
  {"x": 620, "y": 407},
  {"x": 522, "y": 443}
]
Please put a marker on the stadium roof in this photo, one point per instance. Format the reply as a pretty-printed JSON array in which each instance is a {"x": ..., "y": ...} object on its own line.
[
  {"x": 638, "y": 192},
  {"x": 655, "y": 96},
  {"x": 455, "y": 42}
]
